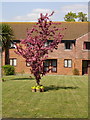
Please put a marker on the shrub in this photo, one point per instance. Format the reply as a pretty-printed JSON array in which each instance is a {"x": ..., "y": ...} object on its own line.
[
  {"x": 75, "y": 71},
  {"x": 8, "y": 70}
]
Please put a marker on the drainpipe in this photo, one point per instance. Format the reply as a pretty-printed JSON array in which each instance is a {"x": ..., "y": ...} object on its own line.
[{"x": 75, "y": 55}]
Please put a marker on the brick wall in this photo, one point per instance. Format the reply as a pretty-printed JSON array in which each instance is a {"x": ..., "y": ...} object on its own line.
[{"x": 76, "y": 54}]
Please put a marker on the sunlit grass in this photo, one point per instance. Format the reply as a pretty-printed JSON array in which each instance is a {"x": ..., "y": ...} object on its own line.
[{"x": 64, "y": 97}]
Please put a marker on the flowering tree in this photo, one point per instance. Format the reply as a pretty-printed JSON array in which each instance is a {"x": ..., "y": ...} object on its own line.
[{"x": 34, "y": 50}]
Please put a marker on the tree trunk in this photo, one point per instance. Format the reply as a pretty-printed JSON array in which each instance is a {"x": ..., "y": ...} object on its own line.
[
  {"x": 7, "y": 61},
  {"x": 38, "y": 82},
  {"x": 37, "y": 77}
]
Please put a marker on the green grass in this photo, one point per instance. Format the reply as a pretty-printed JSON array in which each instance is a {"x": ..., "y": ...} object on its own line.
[{"x": 65, "y": 97}]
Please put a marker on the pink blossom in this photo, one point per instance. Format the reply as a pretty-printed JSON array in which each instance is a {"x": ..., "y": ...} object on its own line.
[{"x": 34, "y": 50}]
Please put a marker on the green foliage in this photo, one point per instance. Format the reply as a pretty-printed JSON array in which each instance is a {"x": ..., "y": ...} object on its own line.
[
  {"x": 3, "y": 80},
  {"x": 75, "y": 71},
  {"x": 8, "y": 70},
  {"x": 70, "y": 17},
  {"x": 7, "y": 35},
  {"x": 82, "y": 17}
]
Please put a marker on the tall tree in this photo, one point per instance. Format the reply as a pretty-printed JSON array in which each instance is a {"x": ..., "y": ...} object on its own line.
[
  {"x": 33, "y": 48},
  {"x": 7, "y": 35},
  {"x": 70, "y": 17},
  {"x": 82, "y": 17}
]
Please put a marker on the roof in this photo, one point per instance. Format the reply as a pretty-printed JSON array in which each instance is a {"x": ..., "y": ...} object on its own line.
[
  {"x": 15, "y": 41},
  {"x": 74, "y": 29}
]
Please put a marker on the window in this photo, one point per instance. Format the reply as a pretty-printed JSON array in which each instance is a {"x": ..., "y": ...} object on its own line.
[
  {"x": 86, "y": 45},
  {"x": 54, "y": 69},
  {"x": 68, "y": 45},
  {"x": 48, "y": 42},
  {"x": 13, "y": 45},
  {"x": 50, "y": 64},
  {"x": 46, "y": 65},
  {"x": 27, "y": 64},
  {"x": 46, "y": 69},
  {"x": 53, "y": 65},
  {"x": 13, "y": 61},
  {"x": 68, "y": 63}
]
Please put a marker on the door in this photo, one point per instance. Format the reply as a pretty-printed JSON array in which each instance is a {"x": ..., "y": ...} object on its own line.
[
  {"x": 85, "y": 67},
  {"x": 89, "y": 67}
]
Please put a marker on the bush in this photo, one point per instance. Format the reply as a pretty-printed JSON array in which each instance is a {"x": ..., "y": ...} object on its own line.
[
  {"x": 8, "y": 70},
  {"x": 75, "y": 71}
]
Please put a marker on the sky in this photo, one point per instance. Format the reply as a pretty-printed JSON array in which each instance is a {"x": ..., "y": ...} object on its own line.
[
  {"x": 30, "y": 11},
  {"x": 44, "y": 0}
]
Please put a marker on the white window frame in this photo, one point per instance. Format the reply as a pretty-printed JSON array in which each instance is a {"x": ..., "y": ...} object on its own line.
[
  {"x": 13, "y": 61},
  {"x": 67, "y": 63},
  {"x": 13, "y": 45},
  {"x": 27, "y": 64}
]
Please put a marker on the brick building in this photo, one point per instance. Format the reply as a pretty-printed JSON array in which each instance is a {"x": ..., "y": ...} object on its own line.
[{"x": 73, "y": 52}]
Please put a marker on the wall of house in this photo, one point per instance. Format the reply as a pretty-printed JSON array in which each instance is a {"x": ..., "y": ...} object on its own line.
[
  {"x": 81, "y": 53},
  {"x": 21, "y": 64},
  {"x": 60, "y": 54},
  {"x": 76, "y": 54}
]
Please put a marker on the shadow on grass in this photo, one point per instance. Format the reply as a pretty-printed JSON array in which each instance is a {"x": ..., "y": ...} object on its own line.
[
  {"x": 23, "y": 79},
  {"x": 53, "y": 87}
]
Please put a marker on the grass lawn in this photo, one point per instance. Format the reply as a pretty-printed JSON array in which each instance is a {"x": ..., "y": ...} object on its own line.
[{"x": 65, "y": 97}]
